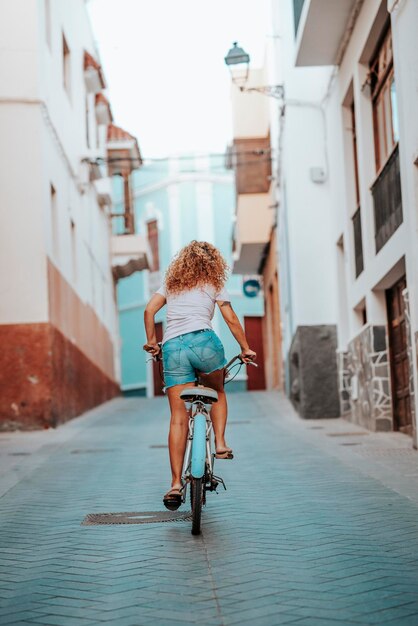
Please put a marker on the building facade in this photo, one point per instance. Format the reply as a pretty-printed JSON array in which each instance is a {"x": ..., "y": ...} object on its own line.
[
  {"x": 58, "y": 318},
  {"x": 177, "y": 200},
  {"x": 254, "y": 238},
  {"x": 367, "y": 51}
]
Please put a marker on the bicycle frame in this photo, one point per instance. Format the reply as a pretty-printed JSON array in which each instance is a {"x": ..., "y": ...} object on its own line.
[{"x": 198, "y": 457}]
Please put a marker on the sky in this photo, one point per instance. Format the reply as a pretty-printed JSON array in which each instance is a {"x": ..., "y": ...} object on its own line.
[{"x": 164, "y": 66}]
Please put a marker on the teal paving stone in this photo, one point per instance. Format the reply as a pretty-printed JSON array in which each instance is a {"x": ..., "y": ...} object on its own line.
[
  {"x": 331, "y": 537},
  {"x": 383, "y": 604},
  {"x": 18, "y": 616},
  {"x": 60, "y": 620},
  {"x": 314, "y": 621},
  {"x": 269, "y": 620},
  {"x": 403, "y": 621}
]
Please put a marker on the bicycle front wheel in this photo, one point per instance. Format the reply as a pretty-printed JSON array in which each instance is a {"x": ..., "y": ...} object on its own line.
[{"x": 196, "y": 497}]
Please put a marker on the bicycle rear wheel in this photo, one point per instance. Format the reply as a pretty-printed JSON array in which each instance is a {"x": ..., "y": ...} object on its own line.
[{"x": 196, "y": 497}]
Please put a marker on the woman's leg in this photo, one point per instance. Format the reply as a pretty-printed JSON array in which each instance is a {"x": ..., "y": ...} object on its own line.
[
  {"x": 219, "y": 411},
  {"x": 179, "y": 428}
]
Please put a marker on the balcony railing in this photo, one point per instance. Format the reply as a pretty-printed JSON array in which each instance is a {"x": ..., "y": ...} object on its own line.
[{"x": 387, "y": 198}]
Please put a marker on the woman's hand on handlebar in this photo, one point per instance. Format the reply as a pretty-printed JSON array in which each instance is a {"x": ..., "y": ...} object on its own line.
[
  {"x": 248, "y": 356},
  {"x": 153, "y": 348}
]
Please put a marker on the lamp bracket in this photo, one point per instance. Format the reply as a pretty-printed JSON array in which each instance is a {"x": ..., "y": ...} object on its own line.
[{"x": 273, "y": 91}]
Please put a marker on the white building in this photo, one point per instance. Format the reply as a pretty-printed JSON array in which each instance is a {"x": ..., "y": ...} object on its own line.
[
  {"x": 58, "y": 320},
  {"x": 366, "y": 220},
  {"x": 306, "y": 254}
]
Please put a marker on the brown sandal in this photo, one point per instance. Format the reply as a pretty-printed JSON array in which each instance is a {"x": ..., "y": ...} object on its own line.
[
  {"x": 173, "y": 498},
  {"x": 225, "y": 454}
]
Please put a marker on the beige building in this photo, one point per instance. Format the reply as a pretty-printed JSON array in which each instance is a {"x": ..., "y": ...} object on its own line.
[
  {"x": 254, "y": 239},
  {"x": 58, "y": 319}
]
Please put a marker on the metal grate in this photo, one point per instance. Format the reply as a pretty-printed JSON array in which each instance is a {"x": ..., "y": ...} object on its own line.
[
  {"x": 232, "y": 423},
  {"x": 92, "y": 450},
  {"x": 157, "y": 446},
  {"x": 136, "y": 517}
]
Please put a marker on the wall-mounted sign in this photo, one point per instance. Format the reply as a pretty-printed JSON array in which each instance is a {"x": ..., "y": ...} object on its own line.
[{"x": 251, "y": 287}]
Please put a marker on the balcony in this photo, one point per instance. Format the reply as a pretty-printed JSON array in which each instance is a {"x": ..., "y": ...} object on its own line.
[
  {"x": 387, "y": 199},
  {"x": 130, "y": 253},
  {"x": 254, "y": 220},
  {"x": 320, "y": 28}
]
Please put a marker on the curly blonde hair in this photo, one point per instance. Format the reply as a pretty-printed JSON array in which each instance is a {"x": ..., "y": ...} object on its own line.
[{"x": 197, "y": 264}]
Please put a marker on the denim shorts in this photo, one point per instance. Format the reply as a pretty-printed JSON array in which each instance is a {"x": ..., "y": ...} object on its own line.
[{"x": 201, "y": 351}]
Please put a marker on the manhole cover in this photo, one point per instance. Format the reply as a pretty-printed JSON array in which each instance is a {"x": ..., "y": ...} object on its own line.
[
  {"x": 354, "y": 434},
  {"x": 141, "y": 517},
  {"x": 19, "y": 453},
  {"x": 92, "y": 450},
  {"x": 159, "y": 445},
  {"x": 352, "y": 443}
]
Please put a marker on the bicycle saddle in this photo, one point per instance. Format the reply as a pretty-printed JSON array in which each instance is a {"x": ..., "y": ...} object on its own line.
[{"x": 204, "y": 394}]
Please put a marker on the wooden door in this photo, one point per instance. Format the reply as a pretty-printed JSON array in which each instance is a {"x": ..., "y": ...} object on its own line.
[
  {"x": 398, "y": 354},
  {"x": 254, "y": 332},
  {"x": 157, "y": 367}
]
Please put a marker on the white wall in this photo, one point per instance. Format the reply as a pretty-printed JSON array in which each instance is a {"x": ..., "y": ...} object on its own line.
[
  {"x": 306, "y": 259},
  {"x": 43, "y": 142},
  {"x": 382, "y": 268}
]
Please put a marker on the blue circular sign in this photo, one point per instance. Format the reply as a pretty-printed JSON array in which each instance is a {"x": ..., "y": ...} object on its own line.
[{"x": 251, "y": 287}]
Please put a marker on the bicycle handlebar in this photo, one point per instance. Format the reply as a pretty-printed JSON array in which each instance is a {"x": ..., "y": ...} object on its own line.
[{"x": 238, "y": 357}]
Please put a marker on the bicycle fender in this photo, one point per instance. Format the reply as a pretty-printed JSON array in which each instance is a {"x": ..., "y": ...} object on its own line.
[{"x": 199, "y": 446}]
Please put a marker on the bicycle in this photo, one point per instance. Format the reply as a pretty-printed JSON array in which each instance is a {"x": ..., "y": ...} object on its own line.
[{"x": 199, "y": 459}]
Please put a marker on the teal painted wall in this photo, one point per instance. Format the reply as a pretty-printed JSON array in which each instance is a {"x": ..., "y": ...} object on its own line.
[{"x": 152, "y": 198}]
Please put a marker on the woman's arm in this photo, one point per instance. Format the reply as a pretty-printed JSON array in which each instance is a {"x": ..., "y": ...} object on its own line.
[
  {"x": 154, "y": 305},
  {"x": 237, "y": 330}
]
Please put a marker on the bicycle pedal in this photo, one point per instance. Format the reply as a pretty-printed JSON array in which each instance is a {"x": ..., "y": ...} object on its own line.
[{"x": 220, "y": 481}]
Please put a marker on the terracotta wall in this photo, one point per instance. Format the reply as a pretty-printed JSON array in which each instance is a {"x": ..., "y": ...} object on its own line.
[
  {"x": 272, "y": 327},
  {"x": 45, "y": 379},
  {"x": 78, "y": 322},
  {"x": 51, "y": 372}
]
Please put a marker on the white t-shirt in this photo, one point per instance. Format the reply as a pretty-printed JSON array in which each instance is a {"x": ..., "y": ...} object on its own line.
[{"x": 191, "y": 310}]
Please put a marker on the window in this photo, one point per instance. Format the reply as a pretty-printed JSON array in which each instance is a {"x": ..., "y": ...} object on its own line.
[
  {"x": 385, "y": 110},
  {"x": 47, "y": 8},
  {"x": 152, "y": 227},
  {"x": 386, "y": 190},
  {"x": 66, "y": 59},
  {"x": 358, "y": 243},
  {"x": 356, "y": 178}
]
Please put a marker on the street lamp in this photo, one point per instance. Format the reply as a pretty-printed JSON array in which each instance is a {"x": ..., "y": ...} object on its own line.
[{"x": 238, "y": 62}]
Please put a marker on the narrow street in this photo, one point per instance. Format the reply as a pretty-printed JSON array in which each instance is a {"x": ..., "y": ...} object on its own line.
[{"x": 318, "y": 525}]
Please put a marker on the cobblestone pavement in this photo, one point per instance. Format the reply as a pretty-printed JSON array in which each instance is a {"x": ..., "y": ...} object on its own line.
[{"x": 319, "y": 525}]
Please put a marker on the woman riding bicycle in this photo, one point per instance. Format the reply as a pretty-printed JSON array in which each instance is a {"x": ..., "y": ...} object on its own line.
[{"x": 194, "y": 281}]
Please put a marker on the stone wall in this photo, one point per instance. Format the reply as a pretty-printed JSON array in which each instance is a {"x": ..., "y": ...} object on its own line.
[
  {"x": 313, "y": 372},
  {"x": 367, "y": 362},
  {"x": 344, "y": 382}
]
